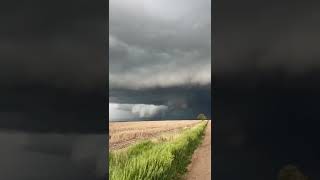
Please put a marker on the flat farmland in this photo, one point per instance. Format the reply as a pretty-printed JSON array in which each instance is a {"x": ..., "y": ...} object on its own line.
[{"x": 123, "y": 134}]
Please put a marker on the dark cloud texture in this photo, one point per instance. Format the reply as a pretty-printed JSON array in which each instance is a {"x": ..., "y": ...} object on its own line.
[{"x": 159, "y": 54}]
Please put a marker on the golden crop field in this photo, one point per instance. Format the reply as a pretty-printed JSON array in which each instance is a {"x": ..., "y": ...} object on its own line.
[{"x": 122, "y": 134}]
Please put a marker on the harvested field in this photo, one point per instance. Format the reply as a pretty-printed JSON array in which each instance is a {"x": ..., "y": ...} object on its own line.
[{"x": 122, "y": 134}]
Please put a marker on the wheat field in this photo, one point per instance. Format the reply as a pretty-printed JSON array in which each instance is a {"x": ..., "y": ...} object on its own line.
[{"x": 123, "y": 134}]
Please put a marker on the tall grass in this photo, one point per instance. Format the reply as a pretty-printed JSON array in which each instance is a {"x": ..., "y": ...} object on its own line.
[{"x": 148, "y": 160}]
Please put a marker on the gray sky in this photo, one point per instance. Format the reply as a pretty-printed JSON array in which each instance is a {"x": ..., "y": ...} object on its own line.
[{"x": 158, "y": 45}]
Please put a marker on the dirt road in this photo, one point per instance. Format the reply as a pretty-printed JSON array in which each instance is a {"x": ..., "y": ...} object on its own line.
[{"x": 200, "y": 167}]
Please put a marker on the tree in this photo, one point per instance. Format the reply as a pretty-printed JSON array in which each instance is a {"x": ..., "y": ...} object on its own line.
[
  {"x": 201, "y": 117},
  {"x": 291, "y": 172}
]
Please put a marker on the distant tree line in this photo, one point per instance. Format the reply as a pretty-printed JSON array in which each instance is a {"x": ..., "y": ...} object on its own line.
[{"x": 202, "y": 117}]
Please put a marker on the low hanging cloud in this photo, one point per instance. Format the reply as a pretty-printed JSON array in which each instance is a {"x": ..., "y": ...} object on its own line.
[
  {"x": 182, "y": 102},
  {"x": 148, "y": 110},
  {"x": 125, "y": 111}
]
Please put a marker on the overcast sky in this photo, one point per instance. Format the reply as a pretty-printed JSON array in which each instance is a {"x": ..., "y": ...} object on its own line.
[{"x": 159, "y": 59}]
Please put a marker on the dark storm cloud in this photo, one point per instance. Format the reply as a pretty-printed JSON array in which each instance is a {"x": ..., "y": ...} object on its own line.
[
  {"x": 182, "y": 102},
  {"x": 266, "y": 90},
  {"x": 165, "y": 45},
  {"x": 157, "y": 51}
]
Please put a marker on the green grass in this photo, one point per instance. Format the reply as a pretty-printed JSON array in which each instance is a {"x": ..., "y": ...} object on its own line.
[{"x": 148, "y": 160}]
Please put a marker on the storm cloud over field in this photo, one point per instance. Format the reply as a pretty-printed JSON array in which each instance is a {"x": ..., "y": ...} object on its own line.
[{"x": 159, "y": 55}]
